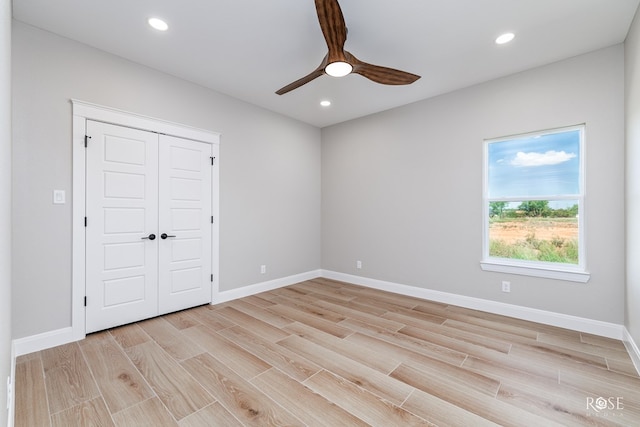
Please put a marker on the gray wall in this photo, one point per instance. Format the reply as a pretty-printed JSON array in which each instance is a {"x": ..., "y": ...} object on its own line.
[
  {"x": 5, "y": 203},
  {"x": 269, "y": 171},
  {"x": 402, "y": 190},
  {"x": 632, "y": 74}
]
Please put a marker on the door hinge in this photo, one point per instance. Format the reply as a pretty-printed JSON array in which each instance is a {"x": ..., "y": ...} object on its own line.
[
  {"x": 86, "y": 140},
  {"x": 211, "y": 219},
  {"x": 212, "y": 277},
  {"x": 85, "y": 221},
  {"x": 85, "y": 301},
  {"x": 213, "y": 159}
]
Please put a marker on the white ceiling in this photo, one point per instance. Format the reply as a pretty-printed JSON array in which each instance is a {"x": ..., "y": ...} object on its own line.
[{"x": 250, "y": 48}]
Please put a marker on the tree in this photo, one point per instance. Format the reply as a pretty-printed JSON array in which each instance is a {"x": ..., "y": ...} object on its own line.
[
  {"x": 574, "y": 210},
  {"x": 533, "y": 208},
  {"x": 497, "y": 208}
]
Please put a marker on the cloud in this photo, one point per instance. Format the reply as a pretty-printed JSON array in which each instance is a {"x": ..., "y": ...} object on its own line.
[{"x": 541, "y": 159}]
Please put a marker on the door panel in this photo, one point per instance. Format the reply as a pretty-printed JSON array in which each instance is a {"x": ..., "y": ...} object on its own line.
[
  {"x": 124, "y": 255},
  {"x": 186, "y": 219},
  {"x": 124, "y": 220},
  {"x": 127, "y": 290},
  {"x": 185, "y": 212},
  {"x": 185, "y": 189},
  {"x": 122, "y": 208},
  {"x": 188, "y": 279},
  {"x": 124, "y": 185},
  {"x": 186, "y": 250}
]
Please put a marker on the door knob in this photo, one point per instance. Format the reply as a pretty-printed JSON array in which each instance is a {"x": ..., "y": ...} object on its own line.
[
  {"x": 165, "y": 235},
  {"x": 150, "y": 237}
]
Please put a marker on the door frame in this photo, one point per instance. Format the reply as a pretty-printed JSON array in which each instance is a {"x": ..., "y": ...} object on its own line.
[{"x": 83, "y": 111}]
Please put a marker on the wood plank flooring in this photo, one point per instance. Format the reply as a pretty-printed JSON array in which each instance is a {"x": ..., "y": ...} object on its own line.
[{"x": 327, "y": 353}]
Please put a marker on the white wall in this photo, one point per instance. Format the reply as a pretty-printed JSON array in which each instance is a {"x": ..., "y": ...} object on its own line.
[
  {"x": 5, "y": 203},
  {"x": 402, "y": 190},
  {"x": 269, "y": 171},
  {"x": 632, "y": 86}
]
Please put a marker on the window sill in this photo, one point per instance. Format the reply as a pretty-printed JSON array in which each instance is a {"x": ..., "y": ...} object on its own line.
[{"x": 544, "y": 271}]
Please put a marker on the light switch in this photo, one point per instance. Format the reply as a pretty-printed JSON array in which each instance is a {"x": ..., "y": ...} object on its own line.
[{"x": 59, "y": 197}]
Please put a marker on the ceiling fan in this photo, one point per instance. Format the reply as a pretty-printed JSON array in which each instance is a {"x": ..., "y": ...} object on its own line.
[{"x": 338, "y": 62}]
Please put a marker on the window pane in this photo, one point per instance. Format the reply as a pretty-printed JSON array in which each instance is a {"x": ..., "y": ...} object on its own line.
[
  {"x": 534, "y": 230},
  {"x": 535, "y": 165}
]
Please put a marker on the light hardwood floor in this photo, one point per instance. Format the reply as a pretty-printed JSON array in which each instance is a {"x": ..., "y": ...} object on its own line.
[{"x": 326, "y": 353}]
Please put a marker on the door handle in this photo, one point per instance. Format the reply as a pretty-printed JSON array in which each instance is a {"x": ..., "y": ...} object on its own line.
[
  {"x": 150, "y": 237},
  {"x": 165, "y": 235}
]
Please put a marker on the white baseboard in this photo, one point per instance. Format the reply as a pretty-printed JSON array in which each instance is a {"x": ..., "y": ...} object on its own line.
[
  {"x": 245, "y": 291},
  {"x": 43, "y": 341},
  {"x": 595, "y": 327},
  {"x": 632, "y": 349},
  {"x": 62, "y": 336},
  {"x": 12, "y": 388}
]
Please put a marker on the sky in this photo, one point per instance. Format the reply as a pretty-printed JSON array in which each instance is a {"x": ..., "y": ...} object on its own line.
[{"x": 539, "y": 165}]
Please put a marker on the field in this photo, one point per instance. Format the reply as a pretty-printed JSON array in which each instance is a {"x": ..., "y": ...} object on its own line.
[{"x": 540, "y": 239}]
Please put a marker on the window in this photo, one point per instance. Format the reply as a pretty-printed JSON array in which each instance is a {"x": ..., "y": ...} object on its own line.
[{"x": 533, "y": 204}]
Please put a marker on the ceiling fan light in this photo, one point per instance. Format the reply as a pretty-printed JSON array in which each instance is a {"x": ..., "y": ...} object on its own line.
[{"x": 338, "y": 69}]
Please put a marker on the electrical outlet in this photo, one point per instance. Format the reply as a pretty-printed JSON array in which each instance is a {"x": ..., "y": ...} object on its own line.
[
  {"x": 358, "y": 264},
  {"x": 506, "y": 286},
  {"x": 263, "y": 269}
]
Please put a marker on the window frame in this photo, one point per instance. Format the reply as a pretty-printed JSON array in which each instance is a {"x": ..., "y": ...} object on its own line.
[{"x": 569, "y": 272}]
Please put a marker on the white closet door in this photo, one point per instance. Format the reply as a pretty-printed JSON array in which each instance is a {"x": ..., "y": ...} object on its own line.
[
  {"x": 122, "y": 218},
  {"x": 184, "y": 223}
]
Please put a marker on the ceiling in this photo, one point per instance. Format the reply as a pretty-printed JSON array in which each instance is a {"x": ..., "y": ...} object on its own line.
[{"x": 248, "y": 49}]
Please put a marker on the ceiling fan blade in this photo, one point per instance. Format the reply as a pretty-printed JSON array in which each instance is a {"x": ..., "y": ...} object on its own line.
[
  {"x": 304, "y": 80},
  {"x": 333, "y": 27},
  {"x": 378, "y": 74}
]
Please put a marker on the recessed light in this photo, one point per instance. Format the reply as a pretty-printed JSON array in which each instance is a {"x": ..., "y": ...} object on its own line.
[
  {"x": 325, "y": 103},
  {"x": 158, "y": 24},
  {"x": 505, "y": 38}
]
